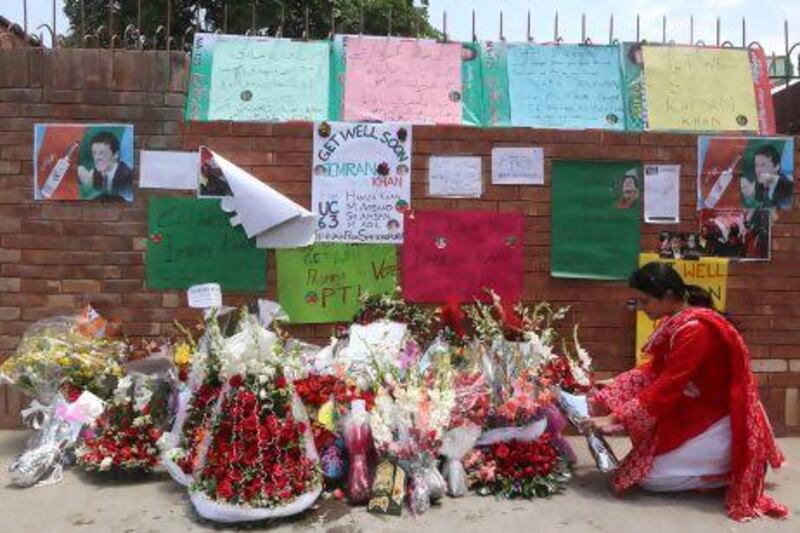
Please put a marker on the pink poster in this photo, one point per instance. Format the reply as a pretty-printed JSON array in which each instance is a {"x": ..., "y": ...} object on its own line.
[
  {"x": 402, "y": 80},
  {"x": 455, "y": 255}
]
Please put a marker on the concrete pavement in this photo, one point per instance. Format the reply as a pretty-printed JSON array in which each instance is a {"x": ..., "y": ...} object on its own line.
[{"x": 90, "y": 503}]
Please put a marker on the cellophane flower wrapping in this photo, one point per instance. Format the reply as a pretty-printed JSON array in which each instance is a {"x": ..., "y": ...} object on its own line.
[
  {"x": 469, "y": 415},
  {"x": 125, "y": 437},
  {"x": 258, "y": 460},
  {"x": 358, "y": 438},
  {"x": 56, "y": 360}
]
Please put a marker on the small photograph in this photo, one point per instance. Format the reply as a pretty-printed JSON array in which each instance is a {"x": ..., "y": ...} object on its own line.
[
  {"x": 83, "y": 162},
  {"x": 675, "y": 245},
  {"x": 736, "y": 233},
  {"x": 629, "y": 190},
  {"x": 211, "y": 181}
]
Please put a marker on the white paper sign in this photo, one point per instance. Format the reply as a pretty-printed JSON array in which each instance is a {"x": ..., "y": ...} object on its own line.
[
  {"x": 384, "y": 337},
  {"x": 264, "y": 213},
  {"x": 517, "y": 166},
  {"x": 204, "y": 296},
  {"x": 662, "y": 194},
  {"x": 455, "y": 176},
  {"x": 361, "y": 181},
  {"x": 168, "y": 170}
]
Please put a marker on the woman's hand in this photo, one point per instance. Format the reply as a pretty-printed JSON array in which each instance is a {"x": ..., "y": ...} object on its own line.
[{"x": 602, "y": 424}]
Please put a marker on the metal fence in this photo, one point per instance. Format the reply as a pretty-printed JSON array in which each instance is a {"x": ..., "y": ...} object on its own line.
[{"x": 112, "y": 35}]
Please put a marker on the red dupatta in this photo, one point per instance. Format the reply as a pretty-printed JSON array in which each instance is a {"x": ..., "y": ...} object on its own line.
[{"x": 753, "y": 446}]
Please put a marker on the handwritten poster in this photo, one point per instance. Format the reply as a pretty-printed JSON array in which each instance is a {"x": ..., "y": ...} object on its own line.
[
  {"x": 190, "y": 241},
  {"x": 565, "y": 86},
  {"x": 455, "y": 176},
  {"x": 457, "y": 254},
  {"x": 662, "y": 194},
  {"x": 710, "y": 273},
  {"x": 596, "y": 219},
  {"x": 517, "y": 166},
  {"x": 494, "y": 73},
  {"x": 361, "y": 181},
  {"x": 699, "y": 89},
  {"x": 324, "y": 282},
  {"x": 236, "y": 77},
  {"x": 745, "y": 172},
  {"x": 403, "y": 80}
]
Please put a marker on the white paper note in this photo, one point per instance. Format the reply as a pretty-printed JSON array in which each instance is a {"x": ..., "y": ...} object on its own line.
[
  {"x": 264, "y": 213},
  {"x": 455, "y": 176},
  {"x": 204, "y": 296},
  {"x": 168, "y": 170},
  {"x": 662, "y": 194},
  {"x": 518, "y": 166}
]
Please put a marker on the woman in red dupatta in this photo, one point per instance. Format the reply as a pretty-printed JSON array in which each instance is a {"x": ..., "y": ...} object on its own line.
[{"x": 692, "y": 412}]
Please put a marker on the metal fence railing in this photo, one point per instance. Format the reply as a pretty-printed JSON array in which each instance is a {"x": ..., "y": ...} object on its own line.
[{"x": 130, "y": 34}]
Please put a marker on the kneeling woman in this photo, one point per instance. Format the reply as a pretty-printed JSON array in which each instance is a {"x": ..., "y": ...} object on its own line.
[{"x": 692, "y": 412}]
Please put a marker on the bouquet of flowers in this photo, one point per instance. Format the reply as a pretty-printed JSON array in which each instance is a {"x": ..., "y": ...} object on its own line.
[
  {"x": 181, "y": 445},
  {"x": 467, "y": 418},
  {"x": 510, "y": 469},
  {"x": 259, "y": 459},
  {"x": 408, "y": 423},
  {"x": 57, "y": 353},
  {"x": 56, "y": 360},
  {"x": 125, "y": 436}
]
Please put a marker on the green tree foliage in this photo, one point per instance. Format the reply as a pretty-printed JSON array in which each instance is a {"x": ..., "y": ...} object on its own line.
[{"x": 236, "y": 16}]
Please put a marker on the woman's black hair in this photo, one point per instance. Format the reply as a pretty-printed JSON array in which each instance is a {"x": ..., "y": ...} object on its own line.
[{"x": 660, "y": 280}]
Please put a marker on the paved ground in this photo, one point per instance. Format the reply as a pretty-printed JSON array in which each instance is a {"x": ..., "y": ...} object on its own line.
[{"x": 89, "y": 504}]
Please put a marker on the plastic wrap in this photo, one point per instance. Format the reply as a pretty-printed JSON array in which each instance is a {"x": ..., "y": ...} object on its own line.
[
  {"x": 527, "y": 433},
  {"x": 456, "y": 444},
  {"x": 576, "y": 409},
  {"x": 358, "y": 438},
  {"x": 427, "y": 486}
]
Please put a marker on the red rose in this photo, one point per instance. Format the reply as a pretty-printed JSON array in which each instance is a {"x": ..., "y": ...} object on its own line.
[
  {"x": 501, "y": 450},
  {"x": 224, "y": 490},
  {"x": 280, "y": 382},
  {"x": 236, "y": 381}
]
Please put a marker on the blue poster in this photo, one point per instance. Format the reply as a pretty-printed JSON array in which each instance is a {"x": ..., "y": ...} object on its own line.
[{"x": 565, "y": 86}]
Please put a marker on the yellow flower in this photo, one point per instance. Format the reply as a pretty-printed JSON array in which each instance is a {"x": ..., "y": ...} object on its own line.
[{"x": 183, "y": 354}]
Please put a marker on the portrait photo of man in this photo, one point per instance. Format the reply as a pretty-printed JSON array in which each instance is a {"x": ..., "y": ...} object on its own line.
[{"x": 108, "y": 176}]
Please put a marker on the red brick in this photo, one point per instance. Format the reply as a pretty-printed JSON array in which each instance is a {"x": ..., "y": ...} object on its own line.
[
  {"x": 80, "y": 285},
  {"x": 10, "y": 313}
]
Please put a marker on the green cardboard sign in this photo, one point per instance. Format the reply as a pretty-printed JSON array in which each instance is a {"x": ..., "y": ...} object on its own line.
[
  {"x": 596, "y": 217},
  {"x": 323, "y": 283},
  {"x": 191, "y": 241}
]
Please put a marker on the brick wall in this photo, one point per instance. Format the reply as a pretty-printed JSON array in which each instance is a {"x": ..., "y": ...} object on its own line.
[{"x": 56, "y": 256}]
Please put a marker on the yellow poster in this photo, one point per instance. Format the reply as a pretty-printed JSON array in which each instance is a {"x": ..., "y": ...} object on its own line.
[
  {"x": 699, "y": 89},
  {"x": 710, "y": 273}
]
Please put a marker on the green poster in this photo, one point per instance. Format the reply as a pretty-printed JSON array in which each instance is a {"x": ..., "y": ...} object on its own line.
[
  {"x": 243, "y": 78},
  {"x": 496, "y": 108},
  {"x": 191, "y": 241},
  {"x": 596, "y": 213},
  {"x": 323, "y": 283},
  {"x": 633, "y": 91},
  {"x": 471, "y": 85}
]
